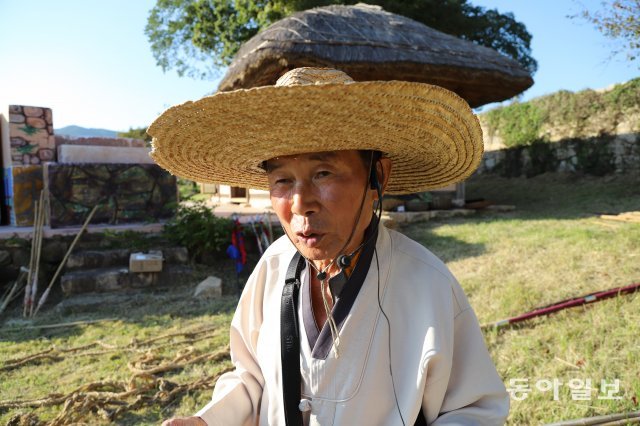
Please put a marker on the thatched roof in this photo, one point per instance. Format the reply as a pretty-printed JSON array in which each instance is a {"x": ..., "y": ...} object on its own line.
[{"x": 369, "y": 43}]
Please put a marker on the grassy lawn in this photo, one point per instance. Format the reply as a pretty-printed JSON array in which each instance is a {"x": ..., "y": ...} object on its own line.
[
  {"x": 185, "y": 337},
  {"x": 149, "y": 359},
  {"x": 551, "y": 248}
]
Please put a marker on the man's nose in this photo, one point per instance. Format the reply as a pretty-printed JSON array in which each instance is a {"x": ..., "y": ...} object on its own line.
[{"x": 304, "y": 201}]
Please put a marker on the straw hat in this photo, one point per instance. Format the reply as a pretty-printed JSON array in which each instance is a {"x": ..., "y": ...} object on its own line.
[{"x": 430, "y": 134}]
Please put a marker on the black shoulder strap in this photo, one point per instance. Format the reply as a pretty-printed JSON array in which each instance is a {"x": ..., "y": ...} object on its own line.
[
  {"x": 420, "y": 421},
  {"x": 290, "y": 342}
]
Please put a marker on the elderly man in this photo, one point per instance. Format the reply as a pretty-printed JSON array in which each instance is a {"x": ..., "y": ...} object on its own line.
[{"x": 342, "y": 321}]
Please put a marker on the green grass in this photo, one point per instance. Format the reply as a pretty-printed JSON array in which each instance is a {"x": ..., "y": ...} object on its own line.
[
  {"x": 173, "y": 313},
  {"x": 553, "y": 246}
]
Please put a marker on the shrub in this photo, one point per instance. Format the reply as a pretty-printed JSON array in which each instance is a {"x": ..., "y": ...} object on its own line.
[
  {"x": 199, "y": 230},
  {"x": 625, "y": 95},
  {"x": 519, "y": 124}
]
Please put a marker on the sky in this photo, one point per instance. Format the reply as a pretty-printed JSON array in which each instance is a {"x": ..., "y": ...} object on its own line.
[{"x": 90, "y": 61}]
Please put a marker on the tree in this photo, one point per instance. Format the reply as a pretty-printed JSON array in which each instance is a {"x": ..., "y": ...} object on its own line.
[
  {"x": 619, "y": 19},
  {"x": 198, "y": 37},
  {"x": 139, "y": 133}
]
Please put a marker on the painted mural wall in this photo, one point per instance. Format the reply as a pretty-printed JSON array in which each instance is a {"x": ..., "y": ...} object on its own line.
[
  {"x": 76, "y": 174},
  {"x": 27, "y": 142}
]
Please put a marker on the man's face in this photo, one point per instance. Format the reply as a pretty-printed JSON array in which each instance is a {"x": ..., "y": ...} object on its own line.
[{"x": 317, "y": 198}]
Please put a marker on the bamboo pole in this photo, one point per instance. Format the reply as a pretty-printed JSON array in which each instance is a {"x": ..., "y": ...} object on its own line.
[
  {"x": 609, "y": 419},
  {"x": 623, "y": 422},
  {"x": 15, "y": 289},
  {"x": 40, "y": 225},
  {"x": 27, "y": 290},
  {"x": 44, "y": 296}
]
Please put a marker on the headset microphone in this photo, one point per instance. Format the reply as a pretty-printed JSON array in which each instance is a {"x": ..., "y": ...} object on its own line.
[
  {"x": 338, "y": 281},
  {"x": 344, "y": 261}
]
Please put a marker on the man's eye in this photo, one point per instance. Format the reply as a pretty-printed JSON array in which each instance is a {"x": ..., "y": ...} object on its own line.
[
  {"x": 283, "y": 181},
  {"x": 323, "y": 173}
]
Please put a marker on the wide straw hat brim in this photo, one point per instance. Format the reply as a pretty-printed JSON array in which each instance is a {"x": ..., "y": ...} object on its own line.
[{"x": 430, "y": 134}]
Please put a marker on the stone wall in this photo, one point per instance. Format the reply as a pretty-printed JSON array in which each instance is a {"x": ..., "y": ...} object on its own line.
[
  {"x": 582, "y": 115},
  {"x": 138, "y": 191},
  {"x": 83, "y": 154},
  {"x": 127, "y": 193},
  {"x": 16, "y": 252},
  {"x": 96, "y": 141},
  {"x": 597, "y": 156}
]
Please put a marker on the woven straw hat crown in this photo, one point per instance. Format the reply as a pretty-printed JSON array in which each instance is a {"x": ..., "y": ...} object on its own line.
[
  {"x": 430, "y": 134},
  {"x": 309, "y": 75}
]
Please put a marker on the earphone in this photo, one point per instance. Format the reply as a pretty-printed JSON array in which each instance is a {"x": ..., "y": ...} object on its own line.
[
  {"x": 344, "y": 260},
  {"x": 375, "y": 184}
]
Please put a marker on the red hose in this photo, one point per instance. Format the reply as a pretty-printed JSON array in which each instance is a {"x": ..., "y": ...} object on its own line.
[{"x": 568, "y": 303}]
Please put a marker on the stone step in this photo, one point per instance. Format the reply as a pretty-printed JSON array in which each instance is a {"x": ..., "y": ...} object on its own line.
[
  {"x": 116, "y": 279},
  {"x": 94, "y": 259}
]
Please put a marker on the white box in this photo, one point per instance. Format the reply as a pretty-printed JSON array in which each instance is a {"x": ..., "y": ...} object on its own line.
[{"x": 146, "y": 262}]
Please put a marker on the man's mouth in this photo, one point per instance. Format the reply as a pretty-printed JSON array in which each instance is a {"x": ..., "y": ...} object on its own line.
[{"x": 309, "y": 239}]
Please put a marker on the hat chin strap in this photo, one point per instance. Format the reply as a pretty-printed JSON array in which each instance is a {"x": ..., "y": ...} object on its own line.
[{"x": 344, "y": 260}]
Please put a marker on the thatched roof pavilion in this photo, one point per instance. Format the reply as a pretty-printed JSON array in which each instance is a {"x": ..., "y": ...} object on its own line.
[{"x": 369, "y": 43}]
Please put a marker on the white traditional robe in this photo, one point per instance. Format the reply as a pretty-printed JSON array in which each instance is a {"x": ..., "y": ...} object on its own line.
[{"x": 439, "y": 360}]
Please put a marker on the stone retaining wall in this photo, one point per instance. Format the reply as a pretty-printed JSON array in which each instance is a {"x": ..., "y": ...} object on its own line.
[
  {"x": 16, "y": 252},
  {"x": 597, "y": 156},
  {"x": 127, "y": 193}
]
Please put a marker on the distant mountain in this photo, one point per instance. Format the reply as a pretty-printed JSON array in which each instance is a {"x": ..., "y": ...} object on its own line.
[{"x": 83, "y": 132}]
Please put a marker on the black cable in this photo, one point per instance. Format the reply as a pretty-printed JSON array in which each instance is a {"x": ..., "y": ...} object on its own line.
[
  {"x": 375, "y": 251},
  {"x": 378, "y": 216},
  {"x": 373, "y": 161},
  {"x": 393, "y": 384}
]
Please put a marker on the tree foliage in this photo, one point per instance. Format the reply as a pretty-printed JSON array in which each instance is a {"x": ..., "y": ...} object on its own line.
[
  {"x": 198, "y": 37},
  {"x": 139, "y": 133},
  {"x": 619, "y": 19}
]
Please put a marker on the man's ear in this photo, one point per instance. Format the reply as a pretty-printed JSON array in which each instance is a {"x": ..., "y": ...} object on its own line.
[{"x": 383, "y": 170}]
